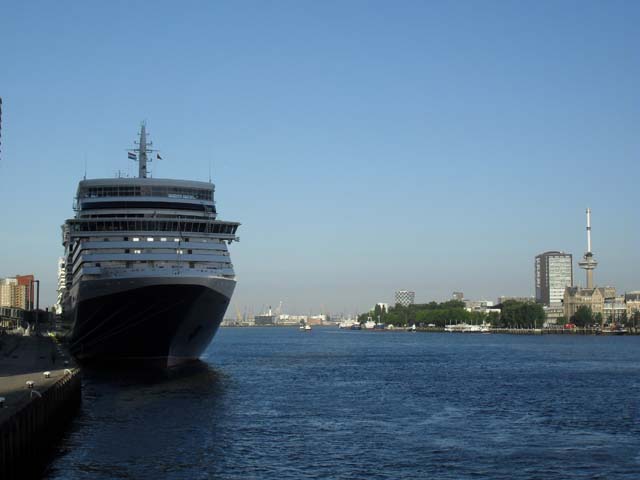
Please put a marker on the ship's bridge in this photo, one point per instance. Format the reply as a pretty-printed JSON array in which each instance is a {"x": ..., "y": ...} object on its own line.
[
  {"x": 102, "y": 197},
  {"x": 145, "y": 187}
]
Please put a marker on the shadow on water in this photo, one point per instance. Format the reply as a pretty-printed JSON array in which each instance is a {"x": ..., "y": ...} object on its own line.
[
  {"x": 196, "y": 373},
  {"x": 137, "y": 421}
]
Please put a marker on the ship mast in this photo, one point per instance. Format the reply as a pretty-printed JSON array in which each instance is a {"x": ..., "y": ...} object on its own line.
[{"x": 141, "y": 152}]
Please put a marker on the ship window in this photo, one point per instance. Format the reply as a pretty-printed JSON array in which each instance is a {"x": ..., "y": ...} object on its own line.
[
  {"x": 176, "y": 239},
  {"x": 163, "y": 239},
  {"x": 186, "y": 239},
  {"x": 97, "y": 264},
  {"x": 179, "y": 251},
  {"x": 126, "y": 239},
  {"x": 136, "y": 239},
  {"x": 192, "y": 265},
  {"x": 149, "y": 239},
  {"x": 126, "y": 250},
  {"x": 189, "y": 251},
  {"x": 137, "y": 251}
]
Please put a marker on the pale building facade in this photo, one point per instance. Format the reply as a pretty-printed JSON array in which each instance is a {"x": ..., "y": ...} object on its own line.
[
  {"x": 632, "y": 303},
  {"x": 594, "y": 298},
  {"x": 14, "y": 293},
  {"x": 553, "y": 273}
]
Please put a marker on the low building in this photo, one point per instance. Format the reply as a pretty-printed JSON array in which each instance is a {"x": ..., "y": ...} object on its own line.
[
  {"x": 290, "y": 320},
  {"x": 614, "y": 309},
  {"x": 316, "y": 319},
  {"x": 632, "y": 303},
  {"x": 264, "y": 320},
  {"x": 553, "y": 314},
  {"x": 457, "y": 296},
  {"x": 478, "y": 305},
  {"x": 593, "y": 298}
]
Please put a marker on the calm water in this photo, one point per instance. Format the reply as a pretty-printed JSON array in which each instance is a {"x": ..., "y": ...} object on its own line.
[{"x": 280, "y": 404}]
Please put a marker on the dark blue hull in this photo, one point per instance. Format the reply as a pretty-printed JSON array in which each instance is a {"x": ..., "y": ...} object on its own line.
[{"x": 159, "y": 325}]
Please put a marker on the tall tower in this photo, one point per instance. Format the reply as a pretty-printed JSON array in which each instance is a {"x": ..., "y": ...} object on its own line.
[{"x": 588, "y": 262}]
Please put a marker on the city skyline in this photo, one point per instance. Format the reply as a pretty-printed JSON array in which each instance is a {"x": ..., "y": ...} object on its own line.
[{"x": 432, "y": 148}]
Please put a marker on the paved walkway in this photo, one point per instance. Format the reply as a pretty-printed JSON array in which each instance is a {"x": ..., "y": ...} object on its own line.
[{"x": 27, "y": 358}]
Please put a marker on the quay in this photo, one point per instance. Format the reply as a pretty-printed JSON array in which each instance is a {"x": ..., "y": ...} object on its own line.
[
  {"x": 538, "y": 331},
  {"x": 33, "y": 415},
  {"x": 559, "y": 330}
]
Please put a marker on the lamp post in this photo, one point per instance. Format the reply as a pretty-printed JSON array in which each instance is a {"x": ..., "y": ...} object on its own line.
[{"x": 31, "y": 294}]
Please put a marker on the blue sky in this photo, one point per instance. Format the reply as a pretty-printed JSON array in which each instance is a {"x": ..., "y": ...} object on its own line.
[{"x": 364, "y": 146}]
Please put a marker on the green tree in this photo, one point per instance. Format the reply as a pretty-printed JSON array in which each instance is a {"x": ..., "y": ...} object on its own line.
[
  {"x": 583, "y": 316},
  {"x": 517, "y": 314}
]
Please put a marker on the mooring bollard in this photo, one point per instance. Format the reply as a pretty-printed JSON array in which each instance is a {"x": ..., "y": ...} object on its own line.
[
  {"x": 30, "y": 383},
  {"x": 1, "y": 402},
  {"x": 47, "y": 374}
]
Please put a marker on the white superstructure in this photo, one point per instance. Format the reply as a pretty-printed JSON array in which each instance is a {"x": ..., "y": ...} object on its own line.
[{"x": 132, "y": 227}]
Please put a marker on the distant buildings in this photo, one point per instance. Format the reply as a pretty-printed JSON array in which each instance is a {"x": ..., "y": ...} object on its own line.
[
  {"x": 457, "y": 296},
  {"x": 405, "y": 298},
  {"x": 632, "y": 301},
  {"x": 17, "y": 292},
  {"x": 264, "y": 320},
  {"x": 602, "y": 301},
  {"x": 504, "y": 298},
  {"x": 553, "y": 273},
  {"x": 62, "y": 285},
  {"x": 485, "y": 306},
  {"x": 383, "y": 306},
  {"x": 593, "y": 298}
]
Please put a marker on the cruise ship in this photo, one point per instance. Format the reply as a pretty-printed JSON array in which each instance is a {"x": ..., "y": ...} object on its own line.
[{"x": 147, "y": 271}]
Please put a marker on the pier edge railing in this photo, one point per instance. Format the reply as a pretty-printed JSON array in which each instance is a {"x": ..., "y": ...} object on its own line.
[{"x": 28, "y": 436}]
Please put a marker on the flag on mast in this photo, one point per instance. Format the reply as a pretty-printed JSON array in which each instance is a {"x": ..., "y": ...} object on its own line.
[
  {"x": 158, "y": 156},
  {"x": 132, "y": 156}
]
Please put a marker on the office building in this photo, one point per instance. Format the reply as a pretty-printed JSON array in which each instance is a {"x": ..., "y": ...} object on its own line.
[
  {"x": 405, "y": 298},
  {"x": 553, "y": 273}
]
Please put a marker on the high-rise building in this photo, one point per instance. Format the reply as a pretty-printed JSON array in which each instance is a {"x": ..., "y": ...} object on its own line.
[
  {"x": 405, "y": 297},
  {"x": 17, "y": 292},
  {"x": 553, "y": 273}
]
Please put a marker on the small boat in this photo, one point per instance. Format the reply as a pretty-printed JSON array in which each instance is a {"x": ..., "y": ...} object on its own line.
[{"x": 305, "y": 327}]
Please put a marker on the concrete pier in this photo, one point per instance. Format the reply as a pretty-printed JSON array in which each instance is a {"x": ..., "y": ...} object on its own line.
[{"x": 33, "y": 415}]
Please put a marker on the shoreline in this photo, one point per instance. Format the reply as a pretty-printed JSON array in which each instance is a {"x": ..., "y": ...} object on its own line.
[{"x": 34, "y": 415}]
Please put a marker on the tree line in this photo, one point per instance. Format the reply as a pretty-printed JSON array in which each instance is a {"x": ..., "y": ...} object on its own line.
[{"x": 514, "y": 314}]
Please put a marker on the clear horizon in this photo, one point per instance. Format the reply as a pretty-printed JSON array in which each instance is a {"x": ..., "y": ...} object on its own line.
[{"x": 365, "y": 147}]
